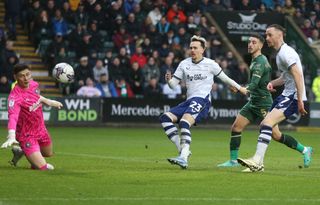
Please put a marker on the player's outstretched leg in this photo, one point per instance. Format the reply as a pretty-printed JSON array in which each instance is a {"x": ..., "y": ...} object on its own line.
[
  {"x": 235, "y": 141},
  {"x": 171, "y": 130},
  {"x": 294, "y": 144},
  {"x": 17, "y": 155}
]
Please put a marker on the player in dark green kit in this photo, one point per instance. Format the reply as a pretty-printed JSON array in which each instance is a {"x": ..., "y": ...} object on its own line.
[{"x": 260, "y": 98}]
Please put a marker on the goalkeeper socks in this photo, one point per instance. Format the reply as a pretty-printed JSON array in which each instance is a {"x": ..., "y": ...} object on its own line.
[
  {"x": 263, "y": 142},
  {"x": 171, "y": 130},
  {"x": 185, "y": 139},
  {"x": 235, "y": 141}
]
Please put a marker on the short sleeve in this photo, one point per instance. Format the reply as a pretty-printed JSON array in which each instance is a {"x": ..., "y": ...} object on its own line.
[{"x": 179, "y": 72}]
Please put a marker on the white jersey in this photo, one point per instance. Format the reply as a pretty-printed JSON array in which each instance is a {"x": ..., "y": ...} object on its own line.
[
  {"x": 286, "y": 57},
  {"x": 198, "y": 76}
]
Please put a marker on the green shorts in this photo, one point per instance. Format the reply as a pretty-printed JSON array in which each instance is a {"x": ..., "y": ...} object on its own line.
[{"x": 254, "y": 113}]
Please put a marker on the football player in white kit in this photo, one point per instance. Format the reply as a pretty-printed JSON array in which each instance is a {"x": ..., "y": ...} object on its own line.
[
  {"x": 291, "y": 100},
  {"x": 198, "y": 73}
]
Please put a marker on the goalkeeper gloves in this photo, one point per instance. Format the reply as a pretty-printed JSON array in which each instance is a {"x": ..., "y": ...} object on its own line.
[{"x": 11, "y": 139}]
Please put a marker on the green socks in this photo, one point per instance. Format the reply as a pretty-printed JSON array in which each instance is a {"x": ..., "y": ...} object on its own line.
[
  {"x": 234, "y": 145},
  {"x": 291, "y": 142}
]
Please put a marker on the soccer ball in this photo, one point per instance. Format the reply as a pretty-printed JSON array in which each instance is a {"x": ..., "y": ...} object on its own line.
[{"x": 63, "y": 72}]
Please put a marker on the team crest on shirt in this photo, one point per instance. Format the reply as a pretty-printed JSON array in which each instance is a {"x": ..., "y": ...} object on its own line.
[
  {"x": 11, "y": 103},
  {"x": 37, "y": 91}
]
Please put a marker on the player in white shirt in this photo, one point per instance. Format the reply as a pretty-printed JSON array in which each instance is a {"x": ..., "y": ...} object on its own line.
[
  {"x": 198, "y": 73},
  {"x": 291, "y": 100}
]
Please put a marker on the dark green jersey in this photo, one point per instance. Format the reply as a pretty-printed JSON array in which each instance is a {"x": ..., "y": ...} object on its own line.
[{"x": 260, "y": 75}]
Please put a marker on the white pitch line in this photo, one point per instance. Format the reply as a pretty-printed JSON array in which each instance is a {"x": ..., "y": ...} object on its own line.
[{"x": 163, "y": 199}]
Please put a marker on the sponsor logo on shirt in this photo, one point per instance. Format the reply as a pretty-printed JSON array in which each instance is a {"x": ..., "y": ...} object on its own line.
[
  {"x": 196, "y": 77},
  {"x": 35, "y": 106}
]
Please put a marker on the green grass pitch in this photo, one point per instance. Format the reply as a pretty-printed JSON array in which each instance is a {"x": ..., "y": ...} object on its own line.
[{"x": 129, "y": 166}]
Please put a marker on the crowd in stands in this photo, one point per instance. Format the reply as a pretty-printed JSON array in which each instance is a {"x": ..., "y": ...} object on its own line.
[{"x": 123, "y": 48}]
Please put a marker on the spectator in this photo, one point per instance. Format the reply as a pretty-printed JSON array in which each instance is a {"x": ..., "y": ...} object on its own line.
[
  {"x": 98, "y": 70},
  {"x": 116, "y": 70},
  {"x": 316, "y": 8},
  {"x": 278, "y": 9},
  {"x": 164, "y": 50},
  {"x": 121, "y": 35},
  {"x": 262, "y": 8},
  {"x": 12, "y": 12},
  {"x": 147, "y": 47},
  {"x": 133, "y": 25},
  {"x": 175, "y": 11},
  {"x": 197, "y": 16},
  {"x": 307, "y": 28},
  {"x": 75, "y": 37},
  {"x": 96, "y": 38},
  {"x": 106, "y": 87},
  {"x": 67, "y": 14},
  {"x": 82, "y": 72},
  {"x": 51, "y": 8},
  {"x": 59, "y": 24},
  {"x": 313, "y": 18},
  {"x": 139, "y": 14},
  {"x": 206, "y": 6},
  {"x": 123, "y": 88},
  {"x": 154, "y": 16},
  {"x": 288, "y": 8},
  {"x": 215, "y": 92},
  {"x": 191, "y": 26},
  {"x": 304, "y": 6},
  {"x": 151, "y": 70},
  {"x": 54, "y": 48},
  {"x": 189, "y": 7},
  {"x": 42, "y": 28},
  {"x": 203, "y": 26},
  {"x": 124, "y": 58},
  {"x": 98, "y": 17},
  {"x": 139, "y": 57},
  {"x": 232, "y": 62},
  {"x": 81, "y": 17},
  {"x": 4, "y": 85},
  {"x": 298, "y": 17},
  {"x": 217, "y": 6},
  {"x": 166, "y": 67},
  {"x": 153, "y": 89},
  {"x": 136, "y": 79},
  {"x": 74, "y": 5},
  {"x": 244, "y": 6},
  {"x": 240, "y": 75},
  {"x": 88, "y": 90},
  {"x": 128, "y": 6},
  {"x": 32, "y": 15},
  {"x": 163, "y": 26},
  {"x": 184, "y": 37},
  {"x": 85, "y": 46},
  {"x": 314, "y": 38}
]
